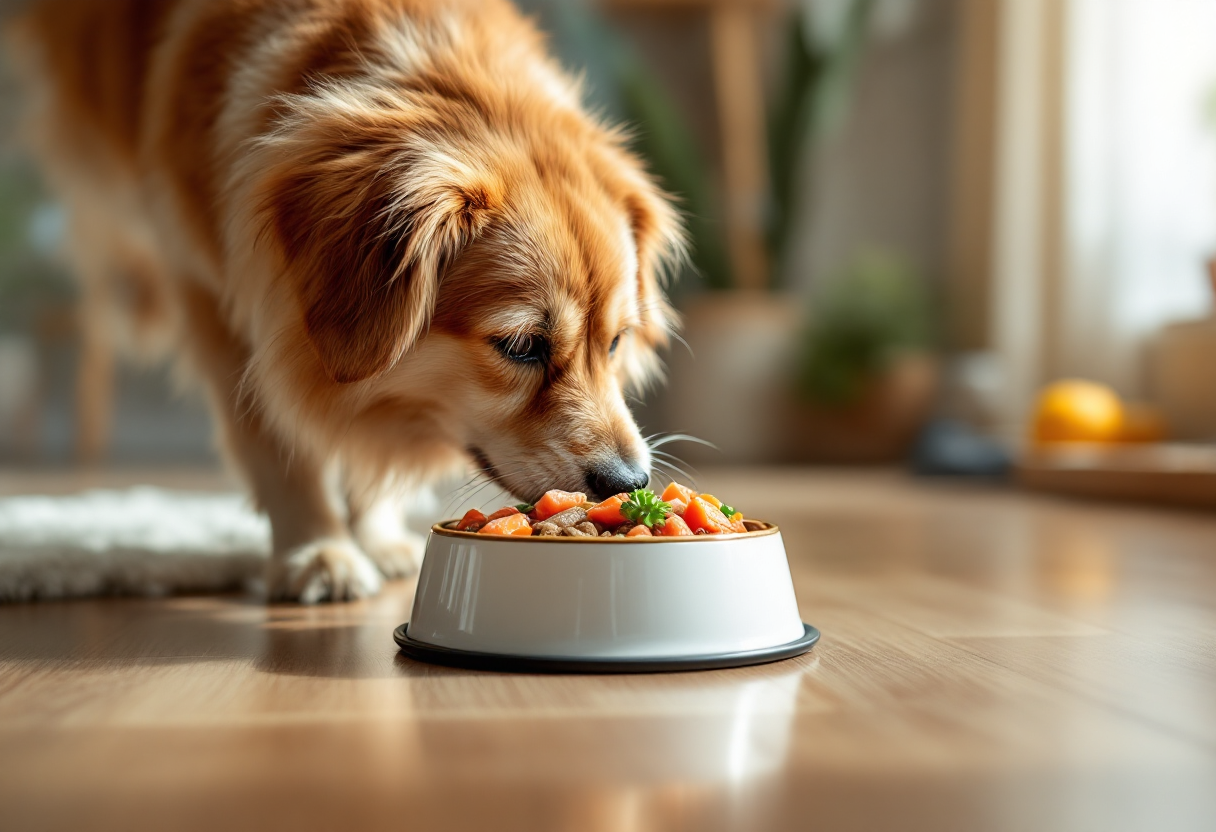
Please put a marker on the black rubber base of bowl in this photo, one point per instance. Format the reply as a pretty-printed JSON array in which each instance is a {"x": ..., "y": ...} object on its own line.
[{"x": 572, "y": 664}]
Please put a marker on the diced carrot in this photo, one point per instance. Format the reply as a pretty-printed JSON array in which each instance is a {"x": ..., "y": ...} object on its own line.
[
  {"x": 505, "y": 511},
  {"x": 639, "y": 531},
  {"x": 472, "y": 521},
  {"x": 608, "y": 513},
  {"x": 510, "y": 524},
  {"x": 675, "y": 491},
  {"x": 710, "y": 498},
  {"x": 673, "y": 526},
  {"x": 703, "y": 515},
  {"x": 555, "y": 501}
]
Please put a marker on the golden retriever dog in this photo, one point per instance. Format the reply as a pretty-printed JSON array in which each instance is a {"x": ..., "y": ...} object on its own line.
[{"x": 384, "y": 234}]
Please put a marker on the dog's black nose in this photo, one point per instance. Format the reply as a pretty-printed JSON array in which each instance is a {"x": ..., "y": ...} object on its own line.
[{"x": 606, "y": 479}]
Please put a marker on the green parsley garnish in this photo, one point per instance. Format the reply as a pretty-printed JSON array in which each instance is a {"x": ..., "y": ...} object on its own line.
[
  {"x": 729, "y": 511},
  {"x": 644, "y": 507},
  {"x": 524, "y": 508}
]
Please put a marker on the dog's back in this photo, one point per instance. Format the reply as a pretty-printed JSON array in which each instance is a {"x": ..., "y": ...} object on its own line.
[
  {"x": 138, "y": 108},
  {"x": 84, "y": 66},
  {"x": 92, "y": 56}
]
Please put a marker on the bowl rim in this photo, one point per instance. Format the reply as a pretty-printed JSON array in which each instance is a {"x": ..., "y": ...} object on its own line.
[{"x": 441, "y": 529}]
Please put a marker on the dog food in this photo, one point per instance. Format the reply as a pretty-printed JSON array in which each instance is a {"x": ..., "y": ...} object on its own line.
[{"x": 678, "y": 512}]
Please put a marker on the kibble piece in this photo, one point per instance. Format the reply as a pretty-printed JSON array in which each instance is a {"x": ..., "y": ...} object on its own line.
[
  {"x": 547, "y": 529},
  {"x": 605, "y": 533},
  {"x": 589, "y": 528},
  {"x": 573, "y": 531},
  {"x": 753, "y": 525},
  {"x": 569, "y": 517}
]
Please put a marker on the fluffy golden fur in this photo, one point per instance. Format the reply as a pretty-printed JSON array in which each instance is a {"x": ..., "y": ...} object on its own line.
[{"x": 384, "y": 234}]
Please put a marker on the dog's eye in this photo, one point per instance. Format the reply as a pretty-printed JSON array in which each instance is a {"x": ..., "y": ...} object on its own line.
[
  {"x": 525, "y": 348},
  {"x": 616, "y": 342}
]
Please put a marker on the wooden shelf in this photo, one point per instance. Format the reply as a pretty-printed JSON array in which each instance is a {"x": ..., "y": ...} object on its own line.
[{"x": 1164, "y": 474}]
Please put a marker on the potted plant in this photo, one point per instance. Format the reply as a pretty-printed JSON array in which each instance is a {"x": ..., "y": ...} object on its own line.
[{"x": 865, "y": 374}]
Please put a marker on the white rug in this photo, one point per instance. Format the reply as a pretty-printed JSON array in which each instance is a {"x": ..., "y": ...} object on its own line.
[{"x": 141, "y": 541}]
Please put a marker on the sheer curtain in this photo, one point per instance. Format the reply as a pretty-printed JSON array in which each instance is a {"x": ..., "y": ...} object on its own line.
[
  {"x": 1104, "y": 191},
  {"x": 1140, "y": 178}
]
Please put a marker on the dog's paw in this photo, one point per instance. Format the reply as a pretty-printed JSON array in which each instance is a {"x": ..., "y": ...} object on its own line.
[
  {"x": 332, "y": 569},
  {"x": 396, "y": 557}
]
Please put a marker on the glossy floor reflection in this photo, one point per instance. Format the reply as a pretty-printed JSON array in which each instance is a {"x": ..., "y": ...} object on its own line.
[{"x": 989, "y": 661}]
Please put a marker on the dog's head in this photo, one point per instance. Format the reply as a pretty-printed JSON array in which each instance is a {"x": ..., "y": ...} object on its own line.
[{"x": 498, "y": 286}]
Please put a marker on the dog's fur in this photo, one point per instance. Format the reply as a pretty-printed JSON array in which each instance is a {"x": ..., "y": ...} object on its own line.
[{"x": 342, "y": 214}]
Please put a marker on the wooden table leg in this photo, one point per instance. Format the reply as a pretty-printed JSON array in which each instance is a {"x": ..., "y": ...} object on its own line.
[{"x": 740, "y": 95}]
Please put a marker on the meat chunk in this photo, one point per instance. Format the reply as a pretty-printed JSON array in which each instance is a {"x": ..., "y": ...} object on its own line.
[
  {"x": 547, "y": 529},
  {"x": 569, "y": 517}
]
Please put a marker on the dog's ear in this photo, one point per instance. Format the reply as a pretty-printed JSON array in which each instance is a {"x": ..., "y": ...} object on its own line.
[
  {"x": 662, "y": 250},
  {"x": 658, "y": 235},
  {"x": 366, "y": 227}
]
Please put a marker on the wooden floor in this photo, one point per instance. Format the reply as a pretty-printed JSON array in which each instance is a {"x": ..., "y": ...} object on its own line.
[{"x": 990, "y": 661}]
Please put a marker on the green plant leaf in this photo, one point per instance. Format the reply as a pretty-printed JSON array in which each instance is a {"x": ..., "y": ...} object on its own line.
[
  {"x": 644, "y": 507},
  {"x": 873, "y": 311}
]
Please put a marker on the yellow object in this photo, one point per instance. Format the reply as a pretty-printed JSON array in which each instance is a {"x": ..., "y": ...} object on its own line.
[
  {"x": 1078, "y": 411},
  {"x": 1142, "y": 423}
]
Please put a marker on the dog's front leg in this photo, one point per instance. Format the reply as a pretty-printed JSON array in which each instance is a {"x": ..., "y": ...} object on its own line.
[
  {"x": 377, "y": 520},
  {"x": 314, "y": 557}
]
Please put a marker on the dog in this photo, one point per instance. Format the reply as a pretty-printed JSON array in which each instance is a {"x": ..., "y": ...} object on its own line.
[{"x": 384, "y": 235}]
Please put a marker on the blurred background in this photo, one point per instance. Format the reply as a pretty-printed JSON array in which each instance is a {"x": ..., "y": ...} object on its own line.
[{"x": 963, "y": 235}]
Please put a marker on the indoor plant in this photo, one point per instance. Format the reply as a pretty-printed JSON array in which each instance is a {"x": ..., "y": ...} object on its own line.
[{"x": 865, "y": 373}]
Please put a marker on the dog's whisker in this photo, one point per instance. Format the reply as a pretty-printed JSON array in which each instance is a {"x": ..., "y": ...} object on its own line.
[
  {"x": 674, "y": 471},
  {"x": 675, "y": 465},
  {"x": 678, "y": 474},
  {"x": 672, "y": 458},
  {"x": 674, "y": 476},
  {"x": 681, "y": 437},
  {"x": 667, "y": 454},
  {"x": 480, "y": 480},
  {"x": 458, "y": 495},
  {"x": 464, "y": 497},
  {"x": 473, "y": 497},
  {"x": 464, "y": 486},
  {"x": 474, "y": 484}
]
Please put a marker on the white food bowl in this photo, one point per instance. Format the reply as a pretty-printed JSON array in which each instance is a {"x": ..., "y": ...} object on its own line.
[{"x": 604, "y": 604}]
